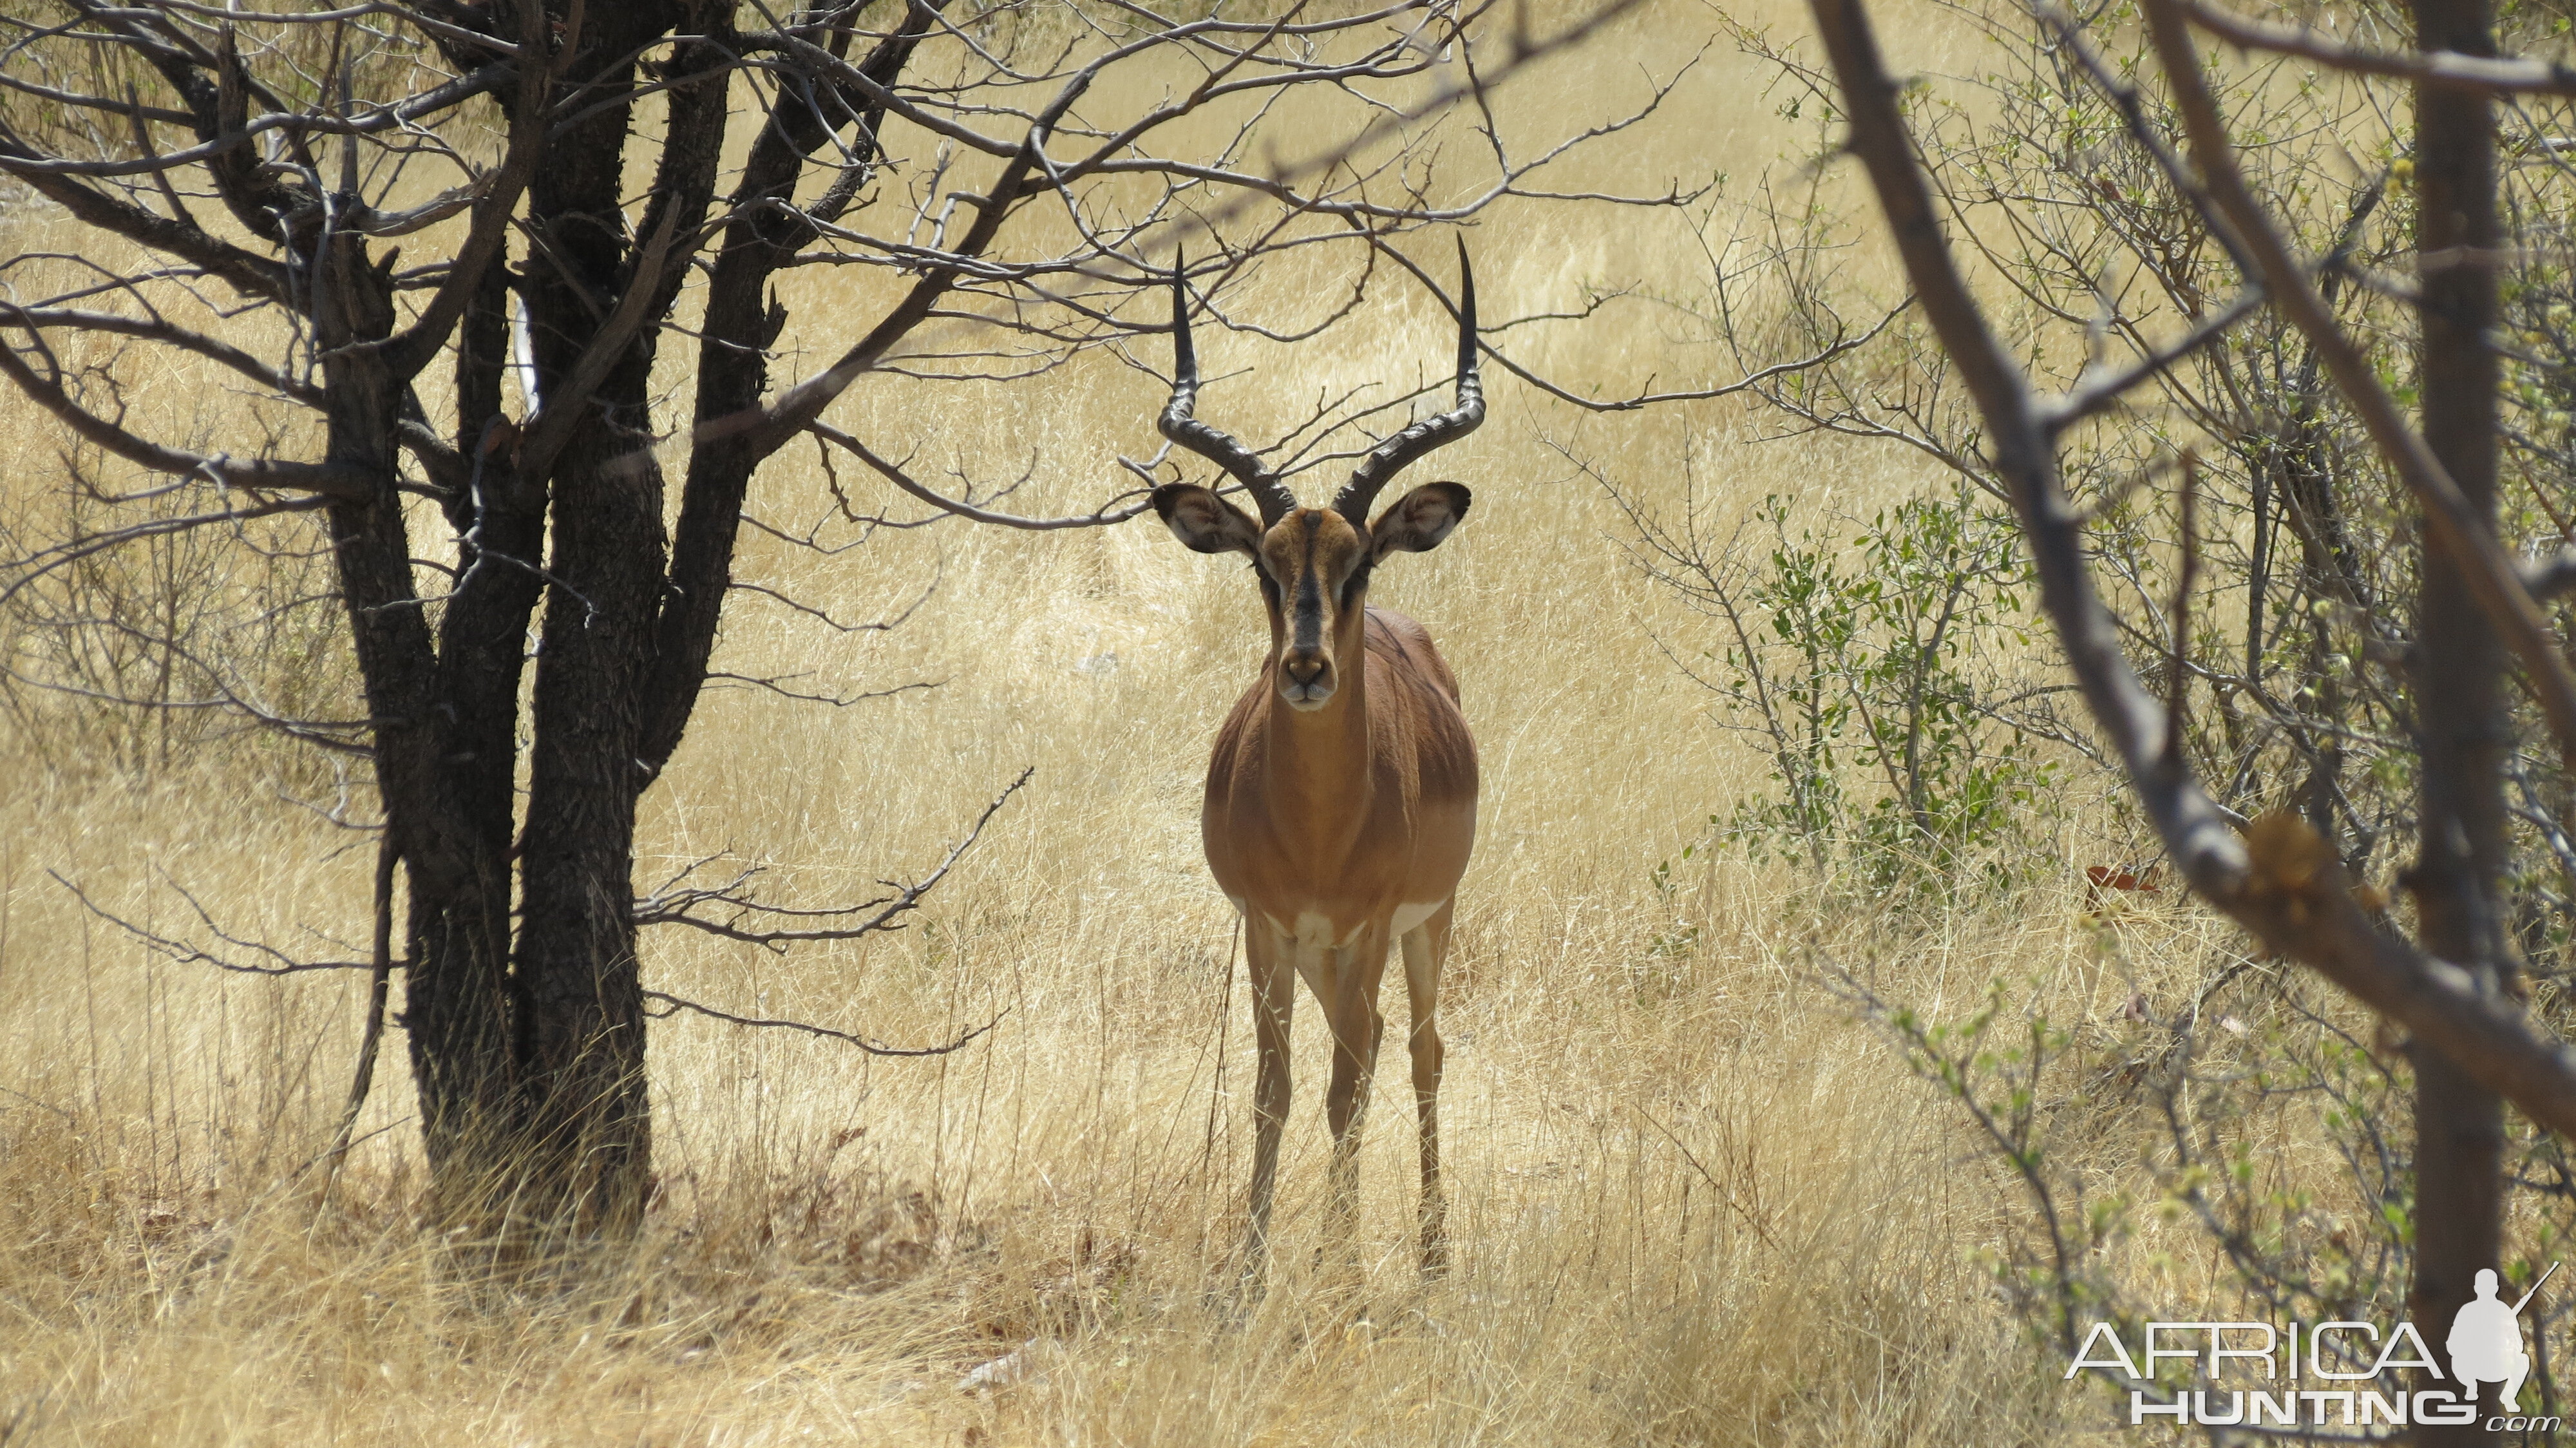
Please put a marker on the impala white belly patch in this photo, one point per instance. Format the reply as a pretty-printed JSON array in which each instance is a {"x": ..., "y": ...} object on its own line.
[{"x": 1312, "y": 931}]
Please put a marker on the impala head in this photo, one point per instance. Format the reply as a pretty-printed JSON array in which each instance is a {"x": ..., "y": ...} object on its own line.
[{"x": 1314, "y": 563}]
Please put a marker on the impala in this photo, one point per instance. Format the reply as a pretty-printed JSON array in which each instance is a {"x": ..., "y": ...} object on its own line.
[{"x": 1341, "y": 798}]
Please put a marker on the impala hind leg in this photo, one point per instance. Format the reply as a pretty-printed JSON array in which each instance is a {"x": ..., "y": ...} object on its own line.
[
  {"x": 1426, "y": 948},
  {"x": 1274, "y": 1004}
]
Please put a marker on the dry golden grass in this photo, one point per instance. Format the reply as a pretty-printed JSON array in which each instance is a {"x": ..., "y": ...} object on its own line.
[{"x": 840, "y": 1241}]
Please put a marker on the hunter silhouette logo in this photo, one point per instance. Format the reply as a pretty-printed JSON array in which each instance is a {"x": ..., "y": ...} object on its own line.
[
  {"x": 2252, "y": 1373},
  {"x": 2486, "y": 1341}
]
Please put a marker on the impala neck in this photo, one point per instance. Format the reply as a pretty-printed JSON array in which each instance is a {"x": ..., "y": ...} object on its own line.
[{"x": 1317, "y": 762}]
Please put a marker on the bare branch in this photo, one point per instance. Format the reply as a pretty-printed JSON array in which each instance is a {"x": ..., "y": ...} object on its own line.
[
  {"x": 2426, "y": 67},
  {"x": 674, "y": 1004},
  {"x": 894, "y": 473},
  {"x": 409, "y": 111},
  {"x": 158, "y": 329},
  {"x": 2093, "y": 394},
  {"x": 672, "y": 905},
  {"x": 882, "y": 625},
  {"x": 248, "y": 272},
  {"x": 84, "y": 545},
  {"x": 2281, "y": 880},
  {"x": 411, "y": 349},
  {"x": 331, "y": 480},
  {"x": 381, "y": 969},
  {"x": 777, "y": 684},
  {"x": 186, "y": 954},
  {"x": 770, "y": 426}
]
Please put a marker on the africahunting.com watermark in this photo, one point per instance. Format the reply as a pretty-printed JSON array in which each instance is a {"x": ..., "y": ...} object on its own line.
[{"x": 2485, "y": 1345}]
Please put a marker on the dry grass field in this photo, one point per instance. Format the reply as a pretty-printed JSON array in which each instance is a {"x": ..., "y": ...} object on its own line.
[{"x": 1693, "y": 1199}]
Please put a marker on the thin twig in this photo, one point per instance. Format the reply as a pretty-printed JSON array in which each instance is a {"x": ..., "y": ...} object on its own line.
[
  {"x": 873, "y": 1048},
  {"x": 378, "y": 987}
]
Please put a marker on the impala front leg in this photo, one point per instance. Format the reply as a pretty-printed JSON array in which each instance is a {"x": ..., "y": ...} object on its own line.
[
  {"x": 1426, "y": 948},
  {"x": 1357, "y": 1028},
  {"x": 1274, "y": 1004}
]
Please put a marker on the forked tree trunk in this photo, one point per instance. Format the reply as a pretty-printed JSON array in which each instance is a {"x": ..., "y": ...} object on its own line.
[
  {"x": 444, "y": 772},
  {"x": 2459, "y": 1126},
  {"x": 530, "y": 1051}
]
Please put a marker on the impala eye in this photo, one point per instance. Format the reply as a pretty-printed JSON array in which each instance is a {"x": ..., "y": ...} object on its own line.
[{"x": 1356, "y": 584}]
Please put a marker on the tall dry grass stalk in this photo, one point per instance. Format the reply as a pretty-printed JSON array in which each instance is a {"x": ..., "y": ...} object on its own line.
[{"x": 1692, "y": 1199}]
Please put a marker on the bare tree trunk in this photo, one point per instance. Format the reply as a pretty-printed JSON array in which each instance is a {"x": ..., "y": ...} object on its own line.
[
  {"x": 581, "y": 1024},
  {"x": 457, "y": 1006},
  {"x": 456, "y": 840},
  {"x": 2459, "y": 1125}
]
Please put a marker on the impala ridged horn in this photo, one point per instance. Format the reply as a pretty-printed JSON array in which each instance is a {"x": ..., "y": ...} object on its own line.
[
  {"x": 1208, "y": 442},
  {"x": 1409, "y": 446}
]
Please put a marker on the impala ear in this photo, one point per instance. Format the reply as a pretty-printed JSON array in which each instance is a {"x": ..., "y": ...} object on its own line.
[
  {"x": 1204, "y": 521},
  {"x": 1416, "y": 522}
]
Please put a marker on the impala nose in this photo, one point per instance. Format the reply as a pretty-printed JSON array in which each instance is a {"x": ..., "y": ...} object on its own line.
[{"x": 1305, "y": 679}]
